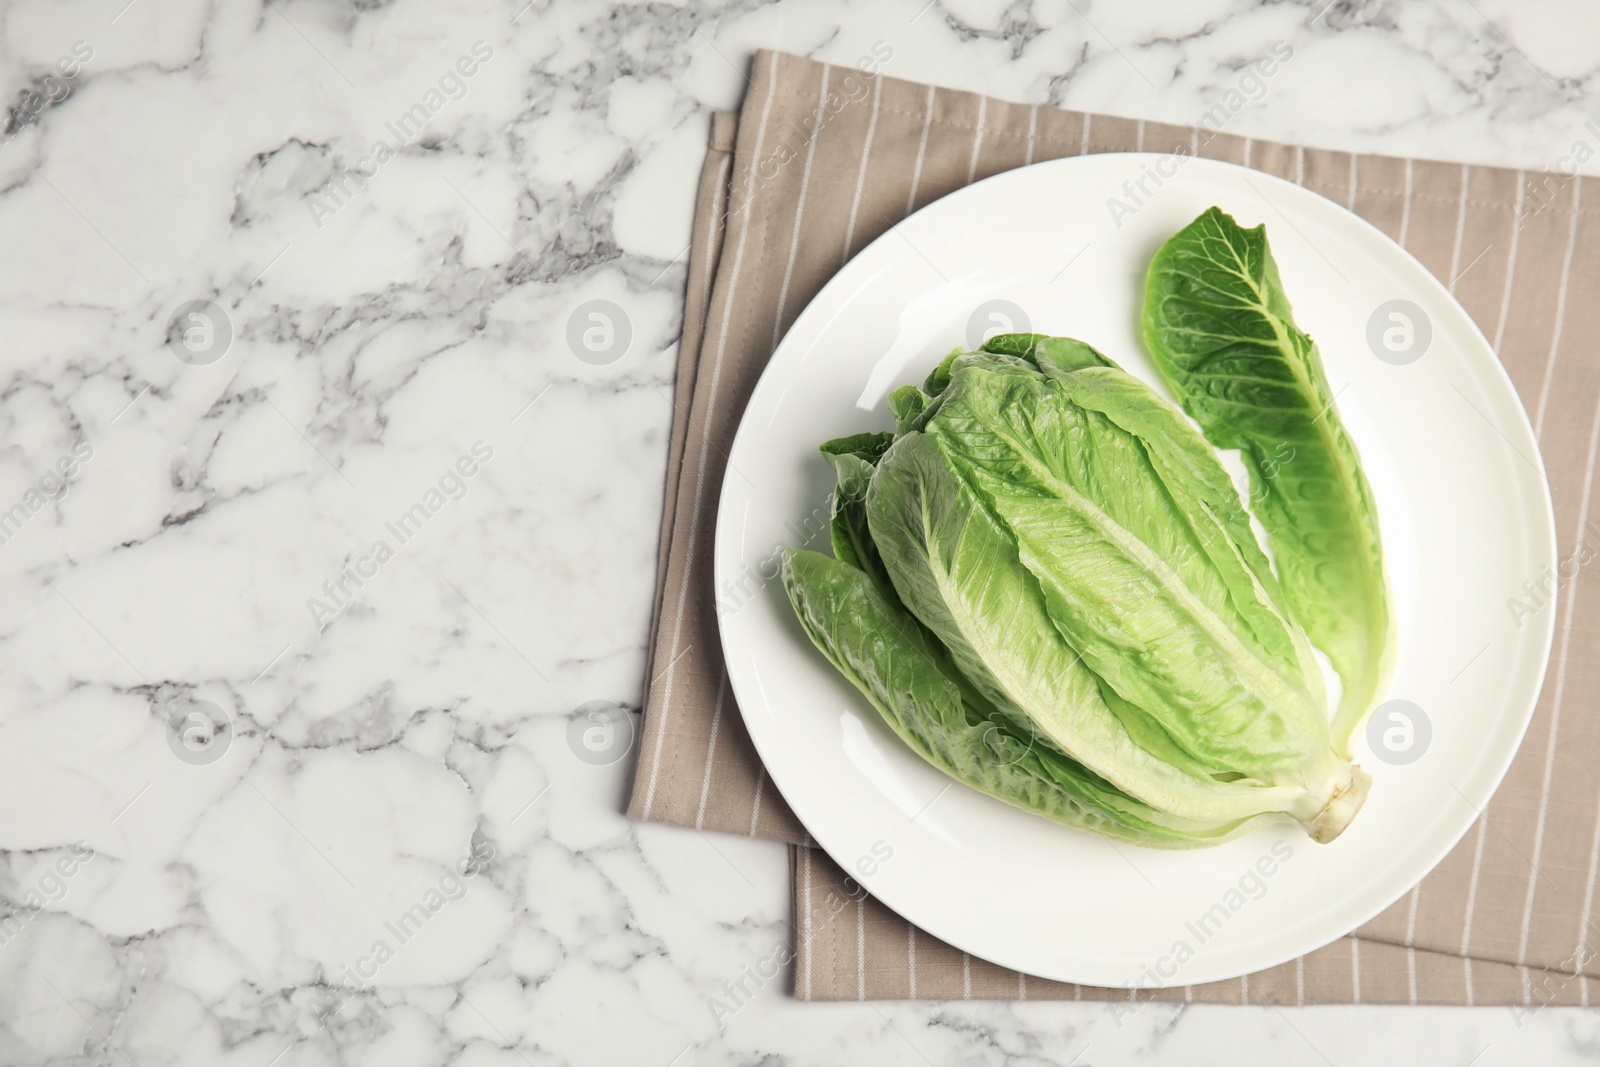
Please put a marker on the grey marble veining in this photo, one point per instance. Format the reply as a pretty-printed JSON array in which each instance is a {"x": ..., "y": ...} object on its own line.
[{"x": 371, "y": 526}]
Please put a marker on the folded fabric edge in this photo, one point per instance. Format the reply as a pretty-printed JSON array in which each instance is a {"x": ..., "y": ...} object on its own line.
[
  {"x": 705, "y": 249},
  {"x": 849, "y": 946}
]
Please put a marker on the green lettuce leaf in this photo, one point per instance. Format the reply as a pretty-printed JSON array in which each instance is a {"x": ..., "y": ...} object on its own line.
[
  {"x": 908, "y": 677},
  {"x": 1221, "y": 330},
  {"x": 1125, "y": 579},
  {"x": 956, "y": 566},
  {"x": 853, "y": 459}
]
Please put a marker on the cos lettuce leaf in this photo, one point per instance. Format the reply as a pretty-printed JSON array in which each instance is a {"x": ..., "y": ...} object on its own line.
[
  {"x": 853, "y": 460},
  {"x": 1125, "y": 579},
  {"x": 1022, "y": 625},
  {"x": 907, "y": 676},
  {"x": 1221, "y": 330}
]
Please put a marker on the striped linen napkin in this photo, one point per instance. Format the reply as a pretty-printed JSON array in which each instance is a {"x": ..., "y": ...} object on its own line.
[{"x": 823, "y": 159}]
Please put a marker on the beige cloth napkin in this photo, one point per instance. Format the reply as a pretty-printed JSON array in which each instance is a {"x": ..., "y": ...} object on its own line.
[{"x": 823, "y": 159}]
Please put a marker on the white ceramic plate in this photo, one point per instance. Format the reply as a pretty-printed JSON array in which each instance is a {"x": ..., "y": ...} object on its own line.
[{"x": 1466, "y": 519}]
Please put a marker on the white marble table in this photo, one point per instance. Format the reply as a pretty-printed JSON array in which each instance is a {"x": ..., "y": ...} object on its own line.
[{"x": 385, "y": 363}]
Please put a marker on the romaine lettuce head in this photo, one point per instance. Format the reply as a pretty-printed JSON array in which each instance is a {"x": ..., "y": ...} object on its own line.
[{"x": 1047, "y": 555}]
